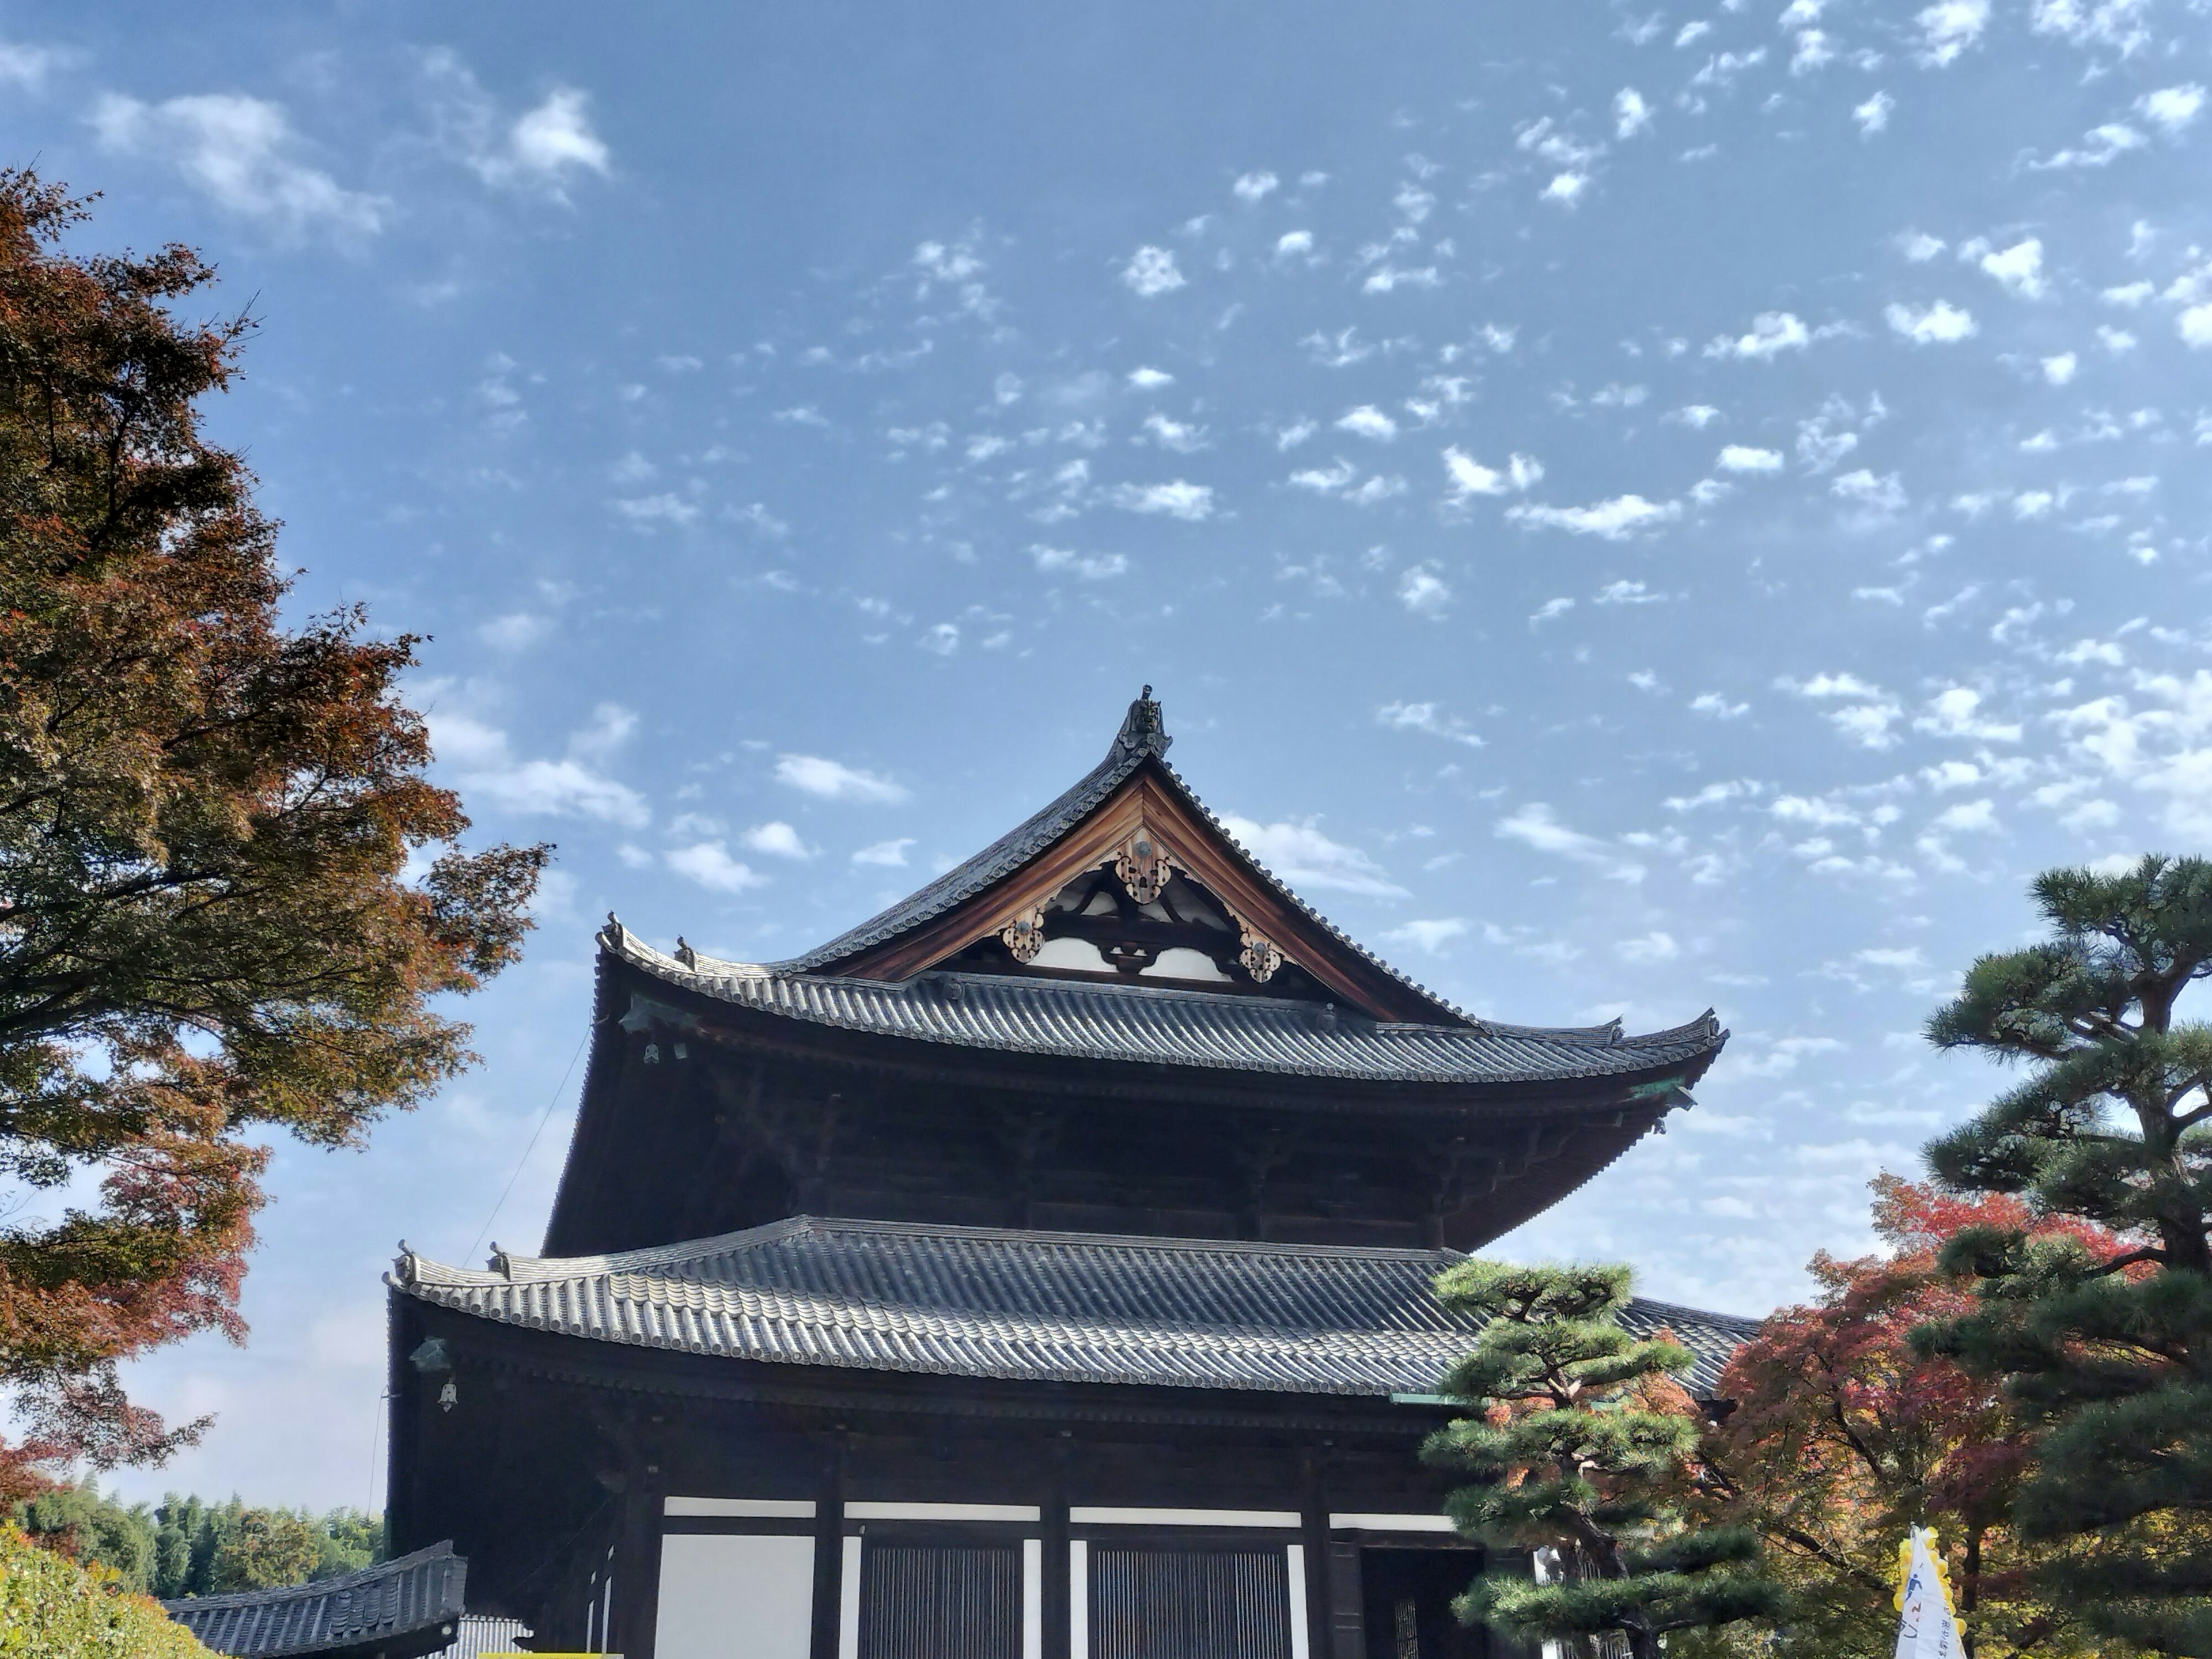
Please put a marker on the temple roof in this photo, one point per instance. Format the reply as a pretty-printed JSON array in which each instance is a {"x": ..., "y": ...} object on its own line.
[
  {"x": 1160, "y": 1025},
  {"x": 1021, "y": 1305},
  {"x": 411, "y": 1605},
  {"x": 1139, "y": 747}
]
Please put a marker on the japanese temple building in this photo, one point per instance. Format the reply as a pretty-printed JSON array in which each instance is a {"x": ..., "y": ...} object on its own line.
[{"x": 1041, "y": 1270}]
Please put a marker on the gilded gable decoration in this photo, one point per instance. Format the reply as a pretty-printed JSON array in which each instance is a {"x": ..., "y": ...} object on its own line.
[
  {"x": 1259, "y": 955},
  {"x": 1023, "y": 936},
  {"x": 1143, "y": 866}
]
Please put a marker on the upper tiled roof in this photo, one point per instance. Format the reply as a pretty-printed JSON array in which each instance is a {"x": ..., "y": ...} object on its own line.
[
  {"x": 409, "y": 1605},
  {"x": 1159, "y": 1026},
  {"x": 1141, "y": 739},
  {"x": 1023, "y": 1305}
]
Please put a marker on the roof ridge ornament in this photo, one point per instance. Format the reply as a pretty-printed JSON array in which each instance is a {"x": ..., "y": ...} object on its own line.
[{"x": 1143, "y": 730}]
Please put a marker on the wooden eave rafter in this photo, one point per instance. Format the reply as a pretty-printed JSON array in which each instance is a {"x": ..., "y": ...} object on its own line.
[{"x": 1150, "y": 802}]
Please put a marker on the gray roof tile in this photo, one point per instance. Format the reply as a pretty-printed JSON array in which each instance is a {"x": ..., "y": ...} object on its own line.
[
  {"x": 1154, "y": 1024},
  {"x": 1022, "y": 1305},
  {"x": 404, "y": 1603}
]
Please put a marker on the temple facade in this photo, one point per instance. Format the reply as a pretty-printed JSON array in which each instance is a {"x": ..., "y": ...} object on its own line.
[{"x": 1041, "y": 1270}]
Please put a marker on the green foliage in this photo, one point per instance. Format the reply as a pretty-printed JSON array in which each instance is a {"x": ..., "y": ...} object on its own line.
[
  {"x": 52, "y": 1607},
  {"x": 203, "y": 1549},
  {"x": 78, "y": 1523},
  {"x": 1582, "y": 1444},
  {"x": 2104, "y": 1344}
]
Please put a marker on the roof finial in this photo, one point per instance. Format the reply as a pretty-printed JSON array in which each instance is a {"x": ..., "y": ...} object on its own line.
[{"x": 1142, "y": 730}]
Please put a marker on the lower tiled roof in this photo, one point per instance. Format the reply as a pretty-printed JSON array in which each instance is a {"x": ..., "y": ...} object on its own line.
[
  {"x": 406, "y": 1604},
  {"x": 1023, "y": 1305}
]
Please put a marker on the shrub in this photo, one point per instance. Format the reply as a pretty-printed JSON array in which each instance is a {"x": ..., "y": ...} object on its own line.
[{"x": 52, "y": 1609}]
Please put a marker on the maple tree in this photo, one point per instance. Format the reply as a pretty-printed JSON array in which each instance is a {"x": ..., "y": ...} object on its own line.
[
  {"x": 230, "y": 897},
  {"x": 1583, "y": 1444},
  {"x": 1841, "y": 1435},
  {"x": 2105, "y": 1351}
]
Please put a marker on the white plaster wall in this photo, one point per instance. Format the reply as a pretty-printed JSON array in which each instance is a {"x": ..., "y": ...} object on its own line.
[{"x": 726, "y": 1597}]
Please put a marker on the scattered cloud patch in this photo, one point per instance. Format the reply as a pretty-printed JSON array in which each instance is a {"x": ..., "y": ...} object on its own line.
[
  {"x": 1940, "y": 324},
  {"x": 709, "y": 864},
  {"x": 1151, "y": 271},
  {"x": 1428, "y": 717},
  {"x": 1303, "y": 856},
  {"x": 1179, "y": 500},
  {"x": 1614, "y": 520},
  {"x": 242, "y": 153},
  {"x": 830, "y": 780}
]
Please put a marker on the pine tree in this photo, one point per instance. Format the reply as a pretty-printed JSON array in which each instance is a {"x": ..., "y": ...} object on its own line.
[
  {"x": 1583, "y": 1445},
  {"x": 2107, "y": 1351}
]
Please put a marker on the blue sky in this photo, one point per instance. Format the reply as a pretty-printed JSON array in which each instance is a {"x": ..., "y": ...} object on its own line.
[{"x": 1631, "y": 507}]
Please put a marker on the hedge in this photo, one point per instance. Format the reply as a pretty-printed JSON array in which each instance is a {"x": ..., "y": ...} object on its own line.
[{"x": 52, "y": 1609}]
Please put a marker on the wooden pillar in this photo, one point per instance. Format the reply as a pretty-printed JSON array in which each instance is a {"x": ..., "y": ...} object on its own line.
[
  {"x": 637, "y": 1571},
  {"x": 828, "y": 1553},
  {"x": 1054, "y": 1601},
  {"x": 1312, "y": 1531}
]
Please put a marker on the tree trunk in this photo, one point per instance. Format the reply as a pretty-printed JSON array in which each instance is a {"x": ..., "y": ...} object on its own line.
[{"x": 1970, "y": 1588}]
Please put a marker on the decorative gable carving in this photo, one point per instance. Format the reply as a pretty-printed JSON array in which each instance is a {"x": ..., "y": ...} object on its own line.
[{"x": 1132, "y": 856}]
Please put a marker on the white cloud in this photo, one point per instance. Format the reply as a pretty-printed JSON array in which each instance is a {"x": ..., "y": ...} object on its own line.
[
  {"x": 1873, "y": 116},
  {"x": 1940, "y": 324},
  {"x": 1428, "y": 936},
  {"x": 646, "y": 511},
  {"x": 1551, "y": 609},
  {"x": 515, "y": 632},
  {"x": 1883, "y": 494},
  {"x": 242, "y": 153},
  {"x": 1090, "y": 566},
  {"x": 835, "y": 780},
  {"x": 1368, "y": 422},
  {"x": 2195, "y": 326},
  {"x": 2019, "y": 267},
  {"x": 1151, "y": 271},
  {"x": 1293, "y": 242},
  {"x": 1469, "y": 477},
  {"x": 888, "y": 854},
  {"x": 1967, "y": 818},
  {"x": 1178, "y": 435},
  {"x": 1425, "y": 717},
  {"x": 1187, "y": 501},
  {"x": 709, "y": 864},
  {"x": 1700, "y": 415},
  {"x": 2100, "y": 147},
  {"x": 487, "y": 771},
  {"x": 1717, "y": 706},
  {"x": 1624, "y": 591},
  {"x": 1654, "y": 946},
  {"x": 1741, "y": 458},
  {"x": 1955, "y": 712},
  {"x": 1303, "y": 857},
  {"x": 1150, "y": 379},
  {"x": 1424, "y": 592},
  {"x": 1616, "y": 520},
  {"x": 1254, "y": 187},
  {"x": 1535, "y": 826},
  {"x": 2173, "y": 108},
  {"x": 1948, "y": 28},
  {"x": 1631, "y": 114},
  {"x": 557, "y": 135},
  {"x": 775, "y": 839},
  {"x": 1566, "y": 188},
  {"x": 2059, "y": 370},
  {"x": 25, "y": 65},
  {"x": 1772, "y": 332},
  {"x": 1919, "y": 246}
]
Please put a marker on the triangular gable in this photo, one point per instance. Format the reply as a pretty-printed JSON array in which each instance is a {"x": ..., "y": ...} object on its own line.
[{"x": 1134, "y": 814}]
